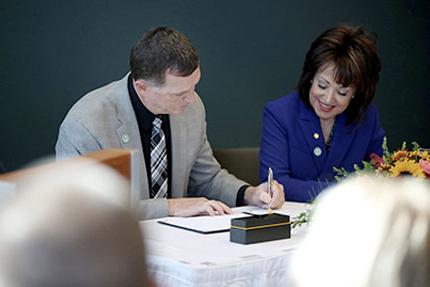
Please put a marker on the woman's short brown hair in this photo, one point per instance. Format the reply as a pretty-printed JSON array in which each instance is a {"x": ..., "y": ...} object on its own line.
[{"x": 354, "y": 55}]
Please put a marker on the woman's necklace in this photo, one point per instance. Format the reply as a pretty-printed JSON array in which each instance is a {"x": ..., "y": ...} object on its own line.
[{"x": 330, "y": 137}]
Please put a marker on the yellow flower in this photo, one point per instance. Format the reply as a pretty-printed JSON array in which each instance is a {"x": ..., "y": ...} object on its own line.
[
  {"x": 384, "y": 167},
  {"x": 425, "y": 155},
  {"x": 413, "y": 154},
  {"x": 407, "y": 167}
]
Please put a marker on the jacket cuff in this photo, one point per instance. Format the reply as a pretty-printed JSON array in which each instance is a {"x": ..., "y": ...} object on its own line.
[{"x": 241, "y": 194}]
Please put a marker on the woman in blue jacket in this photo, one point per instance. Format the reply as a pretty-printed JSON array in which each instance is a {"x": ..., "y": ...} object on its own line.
[{"x": 330, "y": 121}]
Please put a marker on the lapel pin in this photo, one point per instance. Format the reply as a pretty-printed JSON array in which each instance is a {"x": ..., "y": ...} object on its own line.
[
  {"x": 317, "y": 151},
  {"x": 125, "y": 138}
]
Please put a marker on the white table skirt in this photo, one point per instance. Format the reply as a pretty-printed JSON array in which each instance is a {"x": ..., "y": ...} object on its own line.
[{"x": 177, "y": 257}]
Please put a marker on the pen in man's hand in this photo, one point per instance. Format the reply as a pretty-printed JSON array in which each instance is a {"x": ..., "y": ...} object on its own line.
[{"x": 269, "y": 187}]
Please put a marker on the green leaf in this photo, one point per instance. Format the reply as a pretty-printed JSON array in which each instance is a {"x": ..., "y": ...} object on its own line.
[
  {"x": 415, "y": 146},
  {"x": 341, "y": 173},
  {"x": 368, "y": 167},
  {"x": 301, "y": 219},
  {"x": 386, "y": 153}
]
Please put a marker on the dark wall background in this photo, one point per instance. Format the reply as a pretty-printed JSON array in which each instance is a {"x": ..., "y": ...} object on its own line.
[{"x": 52, "y": 52}]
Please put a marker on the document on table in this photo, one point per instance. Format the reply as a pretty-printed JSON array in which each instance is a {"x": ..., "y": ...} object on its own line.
[
  {"x": 203, "y": 224},
  {"x": 222, "y": 223},
  {"x": 255, "y": 210}
]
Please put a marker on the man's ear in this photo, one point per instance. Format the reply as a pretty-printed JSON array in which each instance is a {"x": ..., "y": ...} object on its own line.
[{"x": 141, "y": 86}]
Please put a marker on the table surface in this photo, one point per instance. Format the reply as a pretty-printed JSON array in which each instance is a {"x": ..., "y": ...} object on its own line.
[{"x": 177, "y": 257}]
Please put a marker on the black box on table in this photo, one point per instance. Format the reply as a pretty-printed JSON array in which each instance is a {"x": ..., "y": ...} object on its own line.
[{"x": 260, "y": 228}]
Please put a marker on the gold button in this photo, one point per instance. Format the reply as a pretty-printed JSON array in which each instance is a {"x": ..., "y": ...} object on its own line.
[{"x": 316, "y": 136}]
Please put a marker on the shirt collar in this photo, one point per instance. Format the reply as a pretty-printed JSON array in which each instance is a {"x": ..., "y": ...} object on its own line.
[{"x": 143, "y": 115}]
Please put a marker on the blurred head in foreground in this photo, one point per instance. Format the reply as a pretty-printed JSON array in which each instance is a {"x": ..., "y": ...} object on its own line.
[
  {"x": 71, "y": 227},
  {"x": 368, "y": 231}
]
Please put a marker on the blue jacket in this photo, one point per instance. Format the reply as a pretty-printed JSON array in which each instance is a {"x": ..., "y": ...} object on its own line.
[{"x": 298, "y": 157}]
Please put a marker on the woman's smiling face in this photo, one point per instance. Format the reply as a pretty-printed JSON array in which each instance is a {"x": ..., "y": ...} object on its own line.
[{"x": 328, "y": 98}]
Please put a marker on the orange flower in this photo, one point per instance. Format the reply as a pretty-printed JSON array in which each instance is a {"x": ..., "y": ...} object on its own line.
[{"x": 400, "y": 154}]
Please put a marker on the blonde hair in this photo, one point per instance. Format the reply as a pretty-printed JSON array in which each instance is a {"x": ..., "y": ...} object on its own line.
[
  {"x": 71, "y": 226},
  {"x": 368, "y": 231}
]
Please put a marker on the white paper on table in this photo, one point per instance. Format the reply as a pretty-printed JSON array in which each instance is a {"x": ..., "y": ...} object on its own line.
[
  {"x": 290, "y": 208},
  {"x": 202, "y": 224},
  {"x": 255, "y": 210},
  {"x": 222, "y": 223}
]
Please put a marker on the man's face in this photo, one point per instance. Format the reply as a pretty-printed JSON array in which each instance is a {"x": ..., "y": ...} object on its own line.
[{"x": 170, "y": 98}]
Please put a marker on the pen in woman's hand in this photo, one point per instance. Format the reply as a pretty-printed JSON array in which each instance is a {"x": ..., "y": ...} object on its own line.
[{"x": 269, "y": 188}]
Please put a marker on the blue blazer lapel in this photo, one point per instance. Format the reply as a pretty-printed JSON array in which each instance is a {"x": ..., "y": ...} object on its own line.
[
  {"x": 343, "y": 137},
  {"x": 310, "y": 125}
]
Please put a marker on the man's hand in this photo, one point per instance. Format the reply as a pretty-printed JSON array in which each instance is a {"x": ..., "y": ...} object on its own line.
[
  {"x": 259, "y": 196},
  {"x": 196, "y": 206}
]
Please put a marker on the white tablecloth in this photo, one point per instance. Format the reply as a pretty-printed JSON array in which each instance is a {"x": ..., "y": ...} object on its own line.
[{"x": 178, "y": 257}]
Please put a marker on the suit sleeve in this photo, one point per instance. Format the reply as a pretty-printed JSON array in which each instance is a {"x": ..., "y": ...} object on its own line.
[
  {"x": 274, "y": 153},
  {"x": 74, "y": 140},
  {"x": 207, "y": 178}
]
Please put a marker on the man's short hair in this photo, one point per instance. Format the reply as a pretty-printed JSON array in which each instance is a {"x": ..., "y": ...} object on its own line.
[{"x": 162, "y": 50}]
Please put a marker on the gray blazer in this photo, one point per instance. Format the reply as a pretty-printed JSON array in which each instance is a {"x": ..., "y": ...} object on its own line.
[{"x": 104, "y": 118}]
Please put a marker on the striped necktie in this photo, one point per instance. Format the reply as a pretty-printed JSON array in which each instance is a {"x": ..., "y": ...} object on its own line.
[{"x": 158, "y": 161}]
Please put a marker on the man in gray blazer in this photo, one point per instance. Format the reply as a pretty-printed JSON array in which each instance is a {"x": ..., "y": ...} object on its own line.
[{"x": 155, "y": 110}]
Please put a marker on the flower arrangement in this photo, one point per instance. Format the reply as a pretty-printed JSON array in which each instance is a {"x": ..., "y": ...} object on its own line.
[{"x": 412, "y": 161}]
